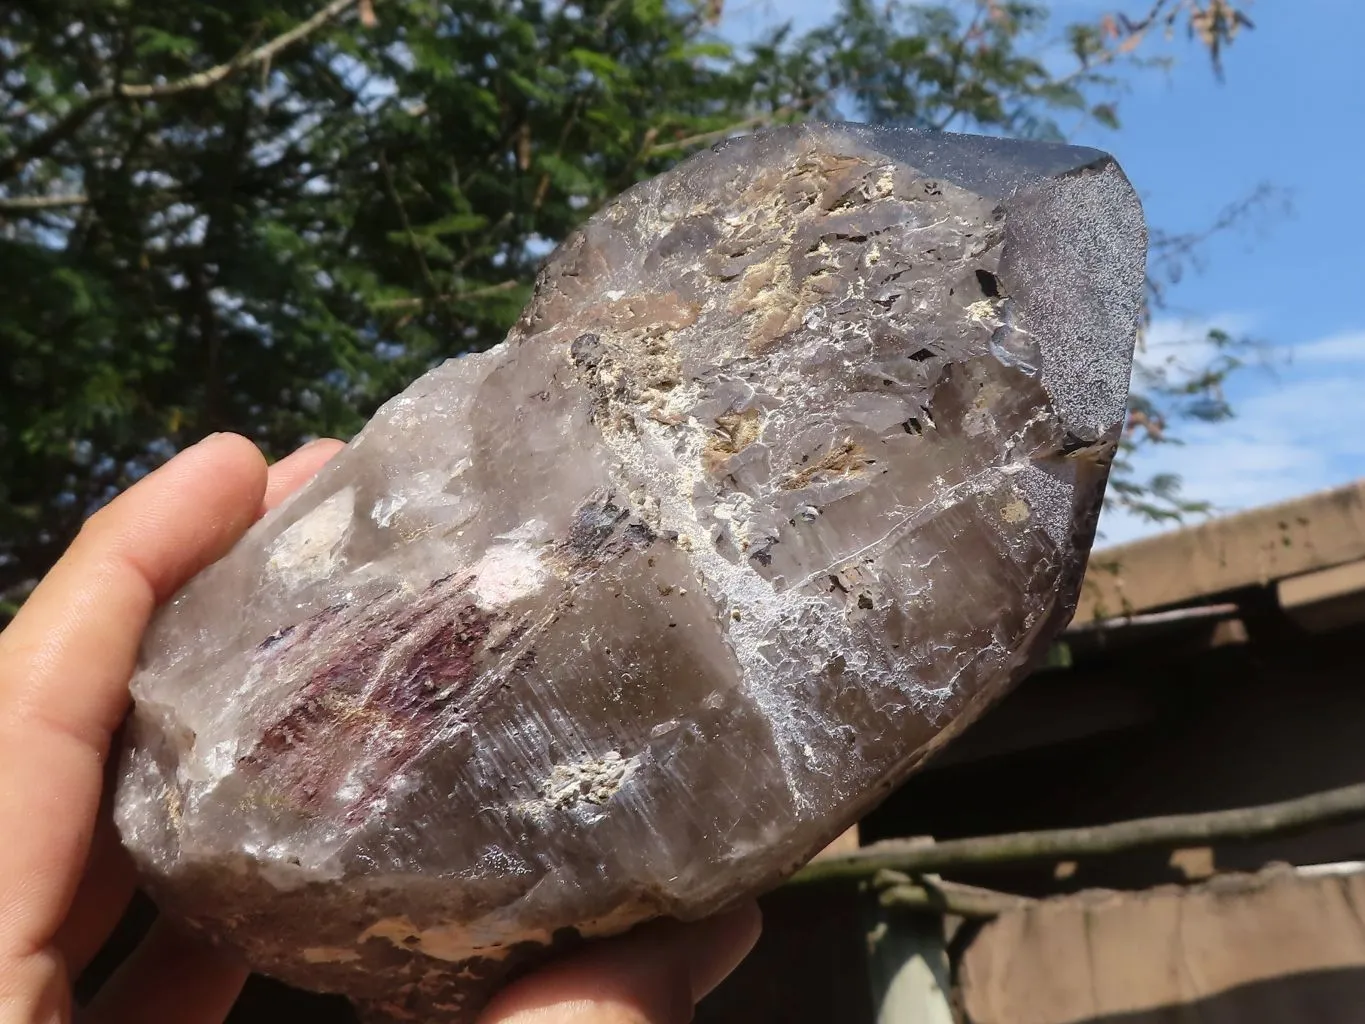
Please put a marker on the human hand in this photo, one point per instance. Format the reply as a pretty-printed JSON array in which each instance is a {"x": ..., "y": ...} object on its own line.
[
  {"x": 65, "y": 662},
  {"x": 653, "y": 975}
]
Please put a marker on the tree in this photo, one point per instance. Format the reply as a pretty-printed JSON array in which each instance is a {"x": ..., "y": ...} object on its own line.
[{"x": 268, "y": 217}]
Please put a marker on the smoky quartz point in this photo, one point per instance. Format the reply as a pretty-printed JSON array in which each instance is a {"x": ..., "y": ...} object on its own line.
[{"x": 789, "y": 469}]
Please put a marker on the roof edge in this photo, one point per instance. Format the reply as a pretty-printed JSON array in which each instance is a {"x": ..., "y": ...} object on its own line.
[{"x": 1257, "y": 547}]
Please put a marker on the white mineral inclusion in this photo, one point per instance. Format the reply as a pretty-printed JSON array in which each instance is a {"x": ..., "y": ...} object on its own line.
[
  {"x": 448, "y": 942},
  {"x": 507, "y": 573},
  {"x": 386, "y": 508},
  {"x": 311, "y": 548},
  {"x": 593, "y": 781}
]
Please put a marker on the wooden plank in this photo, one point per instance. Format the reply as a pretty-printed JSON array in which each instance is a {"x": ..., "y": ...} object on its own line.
[
  {"x": 1265, "y": 949},
  {"x": 846, "y": 842},
  {"x": 1325, "y": 585},
  {"x": 1327, "y": 599},
  {"x": 1253, "y": 548}
]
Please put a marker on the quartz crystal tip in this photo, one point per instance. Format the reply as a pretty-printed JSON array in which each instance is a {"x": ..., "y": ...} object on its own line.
[{"x": 789, "y": 469}]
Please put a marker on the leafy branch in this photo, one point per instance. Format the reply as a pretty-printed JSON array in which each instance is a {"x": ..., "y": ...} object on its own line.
[
  {"x": 261, "y": 55},
  {"x": 68, "y": 125},
  {"x": 1216, "y": 23}
]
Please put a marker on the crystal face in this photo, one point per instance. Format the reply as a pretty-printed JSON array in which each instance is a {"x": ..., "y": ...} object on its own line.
[{"x": 790, "y": 467}]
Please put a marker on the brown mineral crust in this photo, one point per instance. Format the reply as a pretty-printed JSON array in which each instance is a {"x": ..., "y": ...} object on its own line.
[
  {"x": 843, "y": 458},
  {"x": 349, "y": 948}
]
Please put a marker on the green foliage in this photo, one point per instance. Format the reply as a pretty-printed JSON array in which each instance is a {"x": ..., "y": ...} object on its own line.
[{"x": 208, "y": 224}]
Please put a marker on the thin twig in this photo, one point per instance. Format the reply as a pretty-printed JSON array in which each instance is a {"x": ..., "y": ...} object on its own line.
[
  {"x": 706, "y": 138},
  {"x": 1134, "y": 30},
  {"x": 543, "y": 188},
  {"x": 413, "y": 243},
  {"x": 1144, "y": 23},
  {"x": 1248, "y": 823},
  {"x": 21, "y": 204},
  {"x": 950, "y": 898},
  {"x": 1200, "y": 613},
  {"x": 473, "y": 293}
]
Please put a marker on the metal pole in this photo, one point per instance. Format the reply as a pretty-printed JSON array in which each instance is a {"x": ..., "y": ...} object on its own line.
[{"x": 907, "y": 963}]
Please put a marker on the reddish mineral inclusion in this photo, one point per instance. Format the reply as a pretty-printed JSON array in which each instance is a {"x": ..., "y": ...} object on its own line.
[{"x": 789, "y": 469}]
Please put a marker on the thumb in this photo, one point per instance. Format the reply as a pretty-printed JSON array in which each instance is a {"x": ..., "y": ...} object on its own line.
[{"x": 653, "y": 975}]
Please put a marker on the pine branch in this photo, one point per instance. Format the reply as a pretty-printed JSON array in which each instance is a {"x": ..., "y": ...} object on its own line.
[{"x": 1243, "y": 824}]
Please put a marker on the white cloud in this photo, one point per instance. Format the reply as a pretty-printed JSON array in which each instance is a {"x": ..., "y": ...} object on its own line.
[
  {"x": 1179, "y": 345},
  {"x": 1347, "y": 347},
  {"x": 1167, "y": 333},
  {"x": 1299, "y": 430}
]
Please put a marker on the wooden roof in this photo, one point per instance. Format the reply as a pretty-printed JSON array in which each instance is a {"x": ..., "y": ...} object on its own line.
[{"x": 1311, "y": 549}]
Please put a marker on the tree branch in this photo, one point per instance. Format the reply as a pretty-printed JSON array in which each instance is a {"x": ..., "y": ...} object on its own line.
[
  {"x": 45, "y": 142},
  {"x": 263, "y": 53},
  {"x": 75, "y": 118},
  {"x": 392, "y": 188},
  {"x": 473, "y": 293},
  {"x": 959, "y": 52},
  {"x": 706, "y": 138},
  {"x": 900, "y": 892},
  {"x": 22, "y": 204},
  {"x": 917, "y": 857}
]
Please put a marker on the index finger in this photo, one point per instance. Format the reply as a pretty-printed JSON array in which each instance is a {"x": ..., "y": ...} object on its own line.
[
  {"x": 107, "y": 882},
  {"x": 66, "y": 658}
]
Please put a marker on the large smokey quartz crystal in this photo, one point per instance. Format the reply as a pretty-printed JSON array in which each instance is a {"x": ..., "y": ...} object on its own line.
[{"x": 789, "y": 469}]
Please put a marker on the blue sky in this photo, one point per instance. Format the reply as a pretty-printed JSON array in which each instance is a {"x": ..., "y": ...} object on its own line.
[{"x": 1290, "y": 113}]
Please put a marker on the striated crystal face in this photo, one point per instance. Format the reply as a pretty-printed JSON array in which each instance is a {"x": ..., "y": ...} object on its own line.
[{"x": 789, "y": 469}]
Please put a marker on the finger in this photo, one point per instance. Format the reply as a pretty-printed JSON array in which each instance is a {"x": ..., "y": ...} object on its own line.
[
  {"x": 655, "y": 975},
  {"x": 65, "y": 661},
  {"x": 108, "y": 882},
  {"x": 170, "y": 979},
  {"x": 293, "y": 471},
  {"x": 85, "y": 619},
  {"x": 101, "y": 899}
]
